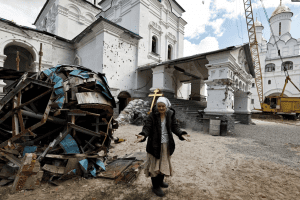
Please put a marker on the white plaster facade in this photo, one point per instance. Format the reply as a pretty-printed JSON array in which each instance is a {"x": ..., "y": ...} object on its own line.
[
  {"x": 74, "y": 32},
  {"x": 67, "y": 18},
  {"x": 271, "y": 64}
]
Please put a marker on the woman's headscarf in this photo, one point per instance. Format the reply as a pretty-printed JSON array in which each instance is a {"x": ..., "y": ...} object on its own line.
[{"x": 164, "y": 100}]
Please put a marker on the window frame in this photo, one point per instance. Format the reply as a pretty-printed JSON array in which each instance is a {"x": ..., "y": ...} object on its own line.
[
  {"x": 270, "y": 67},
  {"x": 156, "y": 45},
  {"x": 170, "y": 54},
  {"x": 291, "y": 66}
]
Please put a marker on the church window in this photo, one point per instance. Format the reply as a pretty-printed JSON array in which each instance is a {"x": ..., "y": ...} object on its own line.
[
  {"x": 154, "y": 44},
  {"x": 288, "y": 65},
  {"x": 270, "y": 67},
  {"x": 269, "y": 82},
  {"x": 253, "y": 85},
  {"x": 279, "y": 28},
  {"x": 278, "y": 52},
  {"x": 169, "y": 52}
]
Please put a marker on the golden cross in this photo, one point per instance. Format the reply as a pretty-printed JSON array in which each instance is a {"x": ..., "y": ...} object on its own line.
[
  {"x": 18, "y": 60},
  {"x": 154, "y": 97}
]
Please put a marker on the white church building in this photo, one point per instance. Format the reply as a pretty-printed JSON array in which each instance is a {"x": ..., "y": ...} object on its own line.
[
  {"x": 138, "y": 45},
  {"x": 271, "y": 63}
]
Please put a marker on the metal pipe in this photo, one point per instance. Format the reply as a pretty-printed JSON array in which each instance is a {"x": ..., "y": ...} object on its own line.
[{"x": 40, "y": 116}]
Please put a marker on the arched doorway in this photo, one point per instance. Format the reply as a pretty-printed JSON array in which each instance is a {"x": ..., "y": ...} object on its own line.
[
  {"x": 26, "y": 59},
  {"x": 124, "y": 98}
]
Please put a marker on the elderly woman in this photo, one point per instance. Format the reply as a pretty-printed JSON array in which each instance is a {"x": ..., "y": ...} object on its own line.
[{"x": 160, "y": 146}]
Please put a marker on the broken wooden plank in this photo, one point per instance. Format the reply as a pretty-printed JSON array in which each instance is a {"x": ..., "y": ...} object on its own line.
[
  {"x": 12, "y": 158},
  {"x": 87, "y": 131},
  {"x": 92, "y": 98},
  {"x": 72, "y": 156}
]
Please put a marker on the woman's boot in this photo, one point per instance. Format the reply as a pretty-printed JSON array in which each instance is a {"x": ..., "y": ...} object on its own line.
[
  {"x": 156, "y": 188},
  {"x": 161, "y": 181}
]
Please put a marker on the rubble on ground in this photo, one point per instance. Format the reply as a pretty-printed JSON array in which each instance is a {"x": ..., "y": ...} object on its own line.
[
  {"x": 55, "y": 125},
  {"x": 134, "y": 113}
]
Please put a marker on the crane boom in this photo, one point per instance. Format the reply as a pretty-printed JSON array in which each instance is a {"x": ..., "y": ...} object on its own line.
[{"x": 254, "y": 48}]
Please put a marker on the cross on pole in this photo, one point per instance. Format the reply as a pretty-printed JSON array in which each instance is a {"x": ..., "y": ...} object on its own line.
[
  {"x": 154, "y": 97},
  {"x": 18, "y": 60},
  {"x": 40, "y": 58}
]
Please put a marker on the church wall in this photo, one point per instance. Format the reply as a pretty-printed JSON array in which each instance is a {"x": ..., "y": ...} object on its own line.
[
  {"x": 55, "y": 51},
  {"x": 62, "y": 53},
  {"x": 119, "y": 63},
  {"x": 67, "y": 18}
]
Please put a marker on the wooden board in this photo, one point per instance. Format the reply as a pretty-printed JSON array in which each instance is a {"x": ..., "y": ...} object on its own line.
[{"x": 91, "y": 98}]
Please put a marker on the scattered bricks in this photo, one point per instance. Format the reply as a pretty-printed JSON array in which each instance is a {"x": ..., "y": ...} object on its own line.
[{"x": 29, "y": 174}]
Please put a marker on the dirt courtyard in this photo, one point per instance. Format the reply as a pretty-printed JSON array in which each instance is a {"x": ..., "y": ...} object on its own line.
[{"x": 208, "y": 167}]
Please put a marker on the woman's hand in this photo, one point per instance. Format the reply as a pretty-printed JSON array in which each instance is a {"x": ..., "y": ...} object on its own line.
[
  {"x": 185, "y": 136},
  {"x": 139, "y": 138}
]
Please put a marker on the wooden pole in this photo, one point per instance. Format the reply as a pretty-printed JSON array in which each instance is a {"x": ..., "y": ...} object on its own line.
[
  {"x": 18, "y": 61},
  {"x": 40, "y": 58}
]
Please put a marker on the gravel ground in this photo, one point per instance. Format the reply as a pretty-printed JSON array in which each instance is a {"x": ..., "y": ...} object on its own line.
[{"x": 272, "y": 141}]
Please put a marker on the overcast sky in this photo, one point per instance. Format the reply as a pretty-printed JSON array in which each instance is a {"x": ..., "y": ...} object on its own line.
[{"x": 212, "y": 24}]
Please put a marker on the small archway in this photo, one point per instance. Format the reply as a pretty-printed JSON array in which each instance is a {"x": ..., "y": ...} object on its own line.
[
  {"x": 26, "y": 59},
  {"x": 124, "y": 98}
]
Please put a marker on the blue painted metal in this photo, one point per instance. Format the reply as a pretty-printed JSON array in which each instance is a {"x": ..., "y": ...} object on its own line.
[
  {"x": 80, "y": 73},
  {"x": 106, "y": 94},
  {"x": 69, "y": 145},
  {"x": 98, "y": 83},
  {"x": 55, "y": 78},
  {"x": 100, "y": 164},
  {"x": 76, "y": 72},
  {"x": 84, "y": 165},
  {"x": 29, "y": 149},
  {"x": 60, "y": 101},
  {"x": 93, "y": 172},
  {"x": 60, "y": 90},
  {"x": 105, "y": 79}
]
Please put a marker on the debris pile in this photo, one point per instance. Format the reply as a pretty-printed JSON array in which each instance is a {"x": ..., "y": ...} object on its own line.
[
  {"x": 55, "y": 124},
  {"x": 134, "y": 113}
]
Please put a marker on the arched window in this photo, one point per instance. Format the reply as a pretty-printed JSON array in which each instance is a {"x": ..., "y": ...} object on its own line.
[
  {"x": 269, "y": 82},
  {"x": 154, "y": 44},
  {"x": 270, "y": 67},
  {"x": 169, "y": 52},
  {"x": 279, "y": 28},
  {"x": 288, "y": 65}
]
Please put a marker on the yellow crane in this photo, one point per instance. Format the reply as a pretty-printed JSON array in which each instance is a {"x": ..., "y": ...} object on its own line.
[{"x": 273, "y": 104}]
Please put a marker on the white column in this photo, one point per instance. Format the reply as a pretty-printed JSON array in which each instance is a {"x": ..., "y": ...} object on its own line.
[
  {"x": 163, "y": 79},
  {"x": 219, "y": 98},
  {"x": 202, "y": 90},
  {"x": 195, "y": 90},
  {"x": 242, "y": 102},
  {"x": 2, "y": 60}
]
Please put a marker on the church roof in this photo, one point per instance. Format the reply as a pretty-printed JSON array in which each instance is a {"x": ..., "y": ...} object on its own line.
[
  {"x": 173, "y": 1},
  {"x": 281, "y": 9},
  {"x": 32, "y": 29},
  {"x": 48, "y": 2},
  {"x": 87, "y": 29},
  {"x": 257, "y": 23}
]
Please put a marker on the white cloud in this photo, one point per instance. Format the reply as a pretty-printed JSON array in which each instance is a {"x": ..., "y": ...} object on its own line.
[
  {"x": 217, "y": 26},
  {"x": 20, "y": 11},
  {"x": 197, "y": 15},
  {"x": 205, "y": 45}
]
